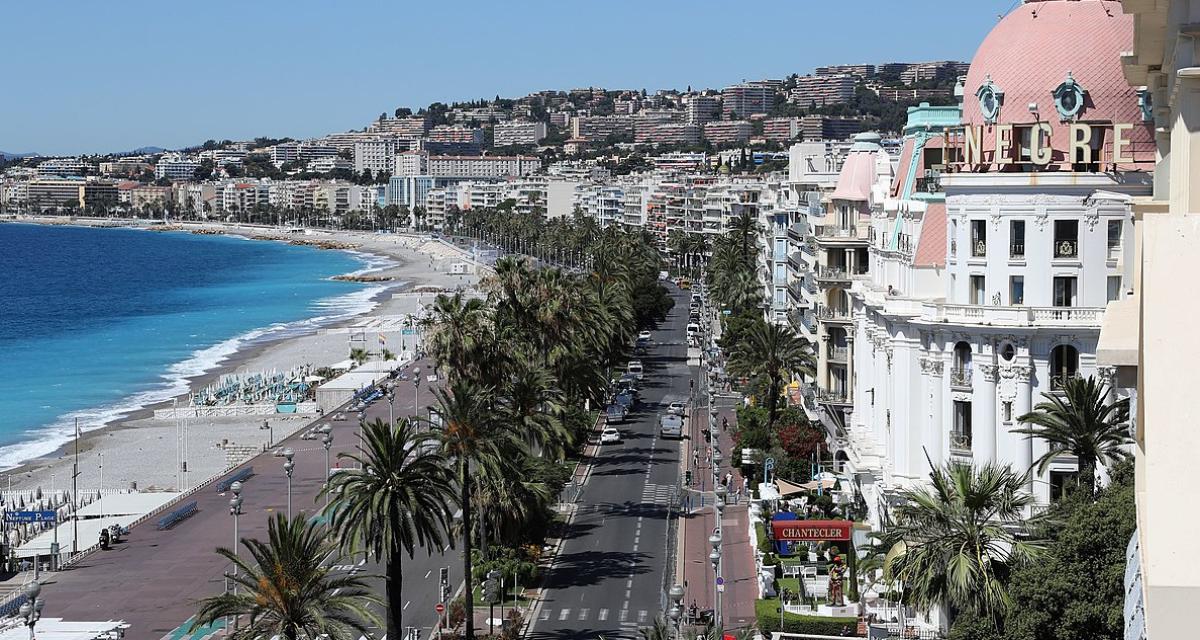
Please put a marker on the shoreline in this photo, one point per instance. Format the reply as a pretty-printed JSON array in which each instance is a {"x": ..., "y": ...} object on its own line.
[{"x": 155, "y": 444}]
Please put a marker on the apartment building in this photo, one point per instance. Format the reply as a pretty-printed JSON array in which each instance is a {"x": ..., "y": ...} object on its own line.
[
  {"x": 599, "y": 128},
  {"x": 748, "y": 98},
  {"x": 828, "y": 127},
  {"x": 411, "y": 127},
  {"x": 703, "y": 108},
  {"x": 727, "y": 132},
  {"x": 823, "y": 90},
  {"x": 668, "y": 133},
  {"x": 420, "y": 163},
  {"x": 860, "y": 71},
  {"x": 781, "y": 129},
  {"x": 518, "y": 132},
  {"x": 456, "y": 134},
  {"x": 125, "y": 167},
  {"x": 376, "y": 156},
  {"x": 898, "y": 94},
  {"x": 63, "y": 167}
]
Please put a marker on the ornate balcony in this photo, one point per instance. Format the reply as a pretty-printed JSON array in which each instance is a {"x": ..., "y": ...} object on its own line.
[
  {"x": 1066, "y": 249},
  {"x": 826, "y": 314},
  {"x": 838, "y": 354},
  {"x": 960, "y": 442},
  {"x": 827, "y": 396},
  {"x": 1059, "y": 382},
  {"x": 960, "y": 378},
  {"x": 832, "y": 274}
]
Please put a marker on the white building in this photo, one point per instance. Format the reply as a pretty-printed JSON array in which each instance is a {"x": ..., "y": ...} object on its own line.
[
  {"x": 173, "y": 166},
  {"x": 972, "y": 309},
  {"x": 518, "y": 132},
  {"x": 377, "y": 155}
]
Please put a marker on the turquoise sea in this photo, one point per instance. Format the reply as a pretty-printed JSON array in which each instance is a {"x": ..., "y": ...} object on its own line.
[{"x": 96, "y": 323}]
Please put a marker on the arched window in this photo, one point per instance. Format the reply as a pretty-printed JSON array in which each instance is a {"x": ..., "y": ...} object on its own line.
[
  {"x": 840, "y": 459},
  {"x": 960, "y": 372},
  {"x": 1064, "y": 365}
]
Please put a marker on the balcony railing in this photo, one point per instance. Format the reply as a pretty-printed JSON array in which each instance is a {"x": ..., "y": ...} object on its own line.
[
  {"x": 1066, "y": 249},
  {"x": 1016, "y": 250},
  {"x": 833, "y": 315},
  {"x": 832, "y": 274},
  {"x": 832, "y": 396},
  {"x": 1059, "y": 382},
  {"x": 960, "y": 441},
  {"x": 838, "y": 353},
  {"x": 838, "y": 232},
  {"x": 979, "y": 249},
  {"x": 960, "y": 377},
  {"x": 932, "y": 184},
  {"x": 796, "y": 261}
]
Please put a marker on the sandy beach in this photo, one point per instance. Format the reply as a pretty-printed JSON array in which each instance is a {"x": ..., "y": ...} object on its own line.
[{"x": 141, "y": 451}]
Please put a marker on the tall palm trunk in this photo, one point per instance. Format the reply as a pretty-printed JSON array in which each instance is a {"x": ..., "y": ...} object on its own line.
[
  {"x": 395, "y": 589},
  {"x": 468, "y": 592},
  {"x": 1086, "y": 478}
]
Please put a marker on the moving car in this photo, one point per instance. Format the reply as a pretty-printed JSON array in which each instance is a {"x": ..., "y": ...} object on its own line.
[
  {"x": 670, "y": 426},
  {"x": 615, "y": 414},
  {"x": 625, "y": 399},
  {"x": 676, "y": 408},
  {"x": 645, "y": 335},
  {"x": 635, "y": 368},
  {"x": 610, "y": 434},
  {"x": 339, "y": 417},
  {"x": 693, "y": 329}
]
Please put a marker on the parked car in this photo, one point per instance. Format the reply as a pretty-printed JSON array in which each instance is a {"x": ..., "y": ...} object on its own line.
[
  {"x": 339, "y": 417},
  {"x": 625, "y": 399},
  {"x": 670, "y": 426},
  {"x": 676, "y": 408},
  {"x": 610, "y": 434},
  {"x": 693, "y": 329}
]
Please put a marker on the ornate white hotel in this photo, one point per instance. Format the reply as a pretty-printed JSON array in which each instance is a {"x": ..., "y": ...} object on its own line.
[{"x": 990, "y": 256}]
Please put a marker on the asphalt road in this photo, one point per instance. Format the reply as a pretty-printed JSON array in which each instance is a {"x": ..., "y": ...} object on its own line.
[{"x": 608, "y": 578}]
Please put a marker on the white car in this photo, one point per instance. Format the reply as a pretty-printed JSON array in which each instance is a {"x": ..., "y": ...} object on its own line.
[
  {"x": 645, "y": 335},
  {"x": 610, "y": 434},
  {"x": 676, "y": 408}
]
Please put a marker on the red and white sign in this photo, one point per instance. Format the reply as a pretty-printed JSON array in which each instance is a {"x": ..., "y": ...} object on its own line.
[
  {"x": 811, "y": 530},
  {"x": 440, "y": 608}
]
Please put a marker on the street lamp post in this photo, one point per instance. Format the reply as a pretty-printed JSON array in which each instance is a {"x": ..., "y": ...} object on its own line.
[
  {"x": 391, "y": 398},
  {"x": 715, "y": 559},
  {"x": 416, "y": 386},
  {"x": 326, "y": 441},
  {"x": 31, "y": 610},
  {"x": 235, "y": 510},
  {"x": 676, "y": 594},
  {"x": 288, "y": 467}
]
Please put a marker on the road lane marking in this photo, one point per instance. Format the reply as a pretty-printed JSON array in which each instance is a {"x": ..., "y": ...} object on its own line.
[
  {"x": 405, "y": 607},
  {"x": 603, "y": 615},
  {"x": 629, "y": 583},
  {"x": 583, "y": 614},
  {"x": 427, "y": 574},
  {"x": 624, "y": 614},
  {"x": 564, "y": 614},
  {"x": 641, "y": 616},
  {"x": 545, "y": 615}
]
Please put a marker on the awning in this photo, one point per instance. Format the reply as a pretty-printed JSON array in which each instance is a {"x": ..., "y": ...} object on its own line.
[{"x": 787, "y": 488}]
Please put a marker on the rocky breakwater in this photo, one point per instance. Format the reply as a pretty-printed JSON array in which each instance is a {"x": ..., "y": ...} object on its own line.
[
  {"x": 363, "y": 278},
  {"x": 325, "y": 244}
]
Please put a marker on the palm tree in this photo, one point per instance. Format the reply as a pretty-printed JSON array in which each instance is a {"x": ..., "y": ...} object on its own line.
[
  {"x": 288, "y": 590},
  {"x": 359, "y": 356},
  {"x": 398, "y": 498},
  {"x": 953, "y": 543},
  {"x": 476, "y": 443},
  {"x": 773, "y": 353},
  {"x": 1081, "y": 421},
  {"x": 744, "y": 229},
  {"x": 459, "y": 335}
]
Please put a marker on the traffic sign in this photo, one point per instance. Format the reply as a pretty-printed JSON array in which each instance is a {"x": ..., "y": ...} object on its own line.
[
  {"x": 440, "y": 608},
  {"x": 29, "y": 516},
  {"x": 720, "y": 581}
]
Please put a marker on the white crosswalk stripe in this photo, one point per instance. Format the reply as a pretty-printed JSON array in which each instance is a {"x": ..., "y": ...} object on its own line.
[
  {"x": 624, "y": 614},
  {"x": 583, "y": 613},
  {"x": 564, "y": 614},
  {"x": 641, "y": 616},
  {"x": 657, "y": 493},
  {"x": 603, "y": 615}
]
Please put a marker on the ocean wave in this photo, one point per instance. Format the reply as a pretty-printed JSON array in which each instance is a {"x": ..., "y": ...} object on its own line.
[{"x": 175, "y": 381}]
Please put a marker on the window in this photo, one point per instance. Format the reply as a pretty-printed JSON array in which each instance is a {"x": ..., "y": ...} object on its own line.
[
  {"x": 1008, "y": 352},
  {"x": 953, "y": 237},
  {"x": 1066, "y": 238},
  {"x": 960, "y": 372},
  {"x": 1064, "y": 291},
  {"x": 1114, "y": 288},
  {"x": 1064, "y": 365},
  {"x": 1016, "y": 239},
  {"x": 978, "y": 291},
  {"x": 960, "y": 436},
  {"x": 979, "y": 238},
  {"x": 1059, "y": 481},
  {"x": 1016, "y": 290},
  {"x": 1114, "y": 234},
  {"x": 1006, "y": 411}
]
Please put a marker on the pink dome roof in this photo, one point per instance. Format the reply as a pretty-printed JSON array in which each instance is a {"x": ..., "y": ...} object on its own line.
[{"x": 1028, "y": 55}]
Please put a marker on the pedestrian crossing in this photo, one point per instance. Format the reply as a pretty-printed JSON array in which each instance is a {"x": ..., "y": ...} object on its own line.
[
  {"x": 628, "y": 617},
  {"x": 658, "y": 493}
]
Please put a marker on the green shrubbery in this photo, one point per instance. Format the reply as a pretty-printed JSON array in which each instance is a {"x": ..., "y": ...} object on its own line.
[{"x": 768, "y": 621}]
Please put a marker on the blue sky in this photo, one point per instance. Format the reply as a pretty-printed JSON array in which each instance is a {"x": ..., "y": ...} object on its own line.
[{"x": 88, "y": 77}]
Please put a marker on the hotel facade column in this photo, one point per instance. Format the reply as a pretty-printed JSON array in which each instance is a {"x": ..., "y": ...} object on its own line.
[
  {"x": 935, "y": 430},
  {"x": 850, "y": 366},
  {"x": 983, "y": 427},
  {"x": 1022, "y": 404}
]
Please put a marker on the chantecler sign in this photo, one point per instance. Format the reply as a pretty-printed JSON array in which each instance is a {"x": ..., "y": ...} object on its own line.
[{"x": 811, "y": 530}]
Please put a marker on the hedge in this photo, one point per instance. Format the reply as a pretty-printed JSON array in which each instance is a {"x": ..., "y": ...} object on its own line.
[{"x": 768, "y": 621}]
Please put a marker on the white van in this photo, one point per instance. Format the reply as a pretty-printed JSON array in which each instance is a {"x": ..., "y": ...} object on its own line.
[
  {"x": 693, "y": 330},
  {"x": 670, "y": 426},
  {"x": 635, "y": 368}
]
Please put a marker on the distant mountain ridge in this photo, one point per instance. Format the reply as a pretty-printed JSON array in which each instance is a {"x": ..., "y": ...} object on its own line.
[{"x": 7, "y": 155}]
